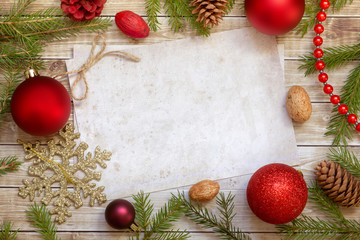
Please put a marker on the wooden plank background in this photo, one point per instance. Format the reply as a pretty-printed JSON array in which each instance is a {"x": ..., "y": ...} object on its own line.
[{"x": 88, "y": 223}]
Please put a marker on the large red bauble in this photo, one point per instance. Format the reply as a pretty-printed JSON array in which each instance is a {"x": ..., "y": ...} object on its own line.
[
  {"x": 120, "y": 214},
  {"x": 274, "y": 17},
  {"x": 40, "y": 106},
  {"x": 277, "y": 193}
]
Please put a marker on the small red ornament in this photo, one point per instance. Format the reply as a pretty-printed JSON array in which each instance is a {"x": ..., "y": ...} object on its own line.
[
  {"x": 334, "y": 99},
  {"x": 343, "y": 109},
  {"x": 120, "y": 214},
  {"x": 352, "y": 118},
  {"x": 323, "y": 77},
  {"x": 321, "y": 16},
  {"x": 274, "y": 17},
  {"x": 318, "y": 53},
  {"x": 319, "y": 28},
  {"x": 328, "y": 89},
  {"x": 318, "y": 41},
  {"x": 277, "y": 193},
  {"x": 132, "y": 24},
  {"x": 40, "y": 105},
  {"x": 319, "y": 65},
  {"x": 357, "y": 127},
  {"x": 324, "y": 4}
]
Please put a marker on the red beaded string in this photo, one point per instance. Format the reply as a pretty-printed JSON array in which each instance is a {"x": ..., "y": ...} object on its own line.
[{"x": 320, "y": 66}]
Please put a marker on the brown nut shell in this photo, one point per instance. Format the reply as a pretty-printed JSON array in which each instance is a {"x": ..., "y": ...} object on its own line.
[
  {"x": 204, "y": 190},
  {"x": 298, "y": 104}
]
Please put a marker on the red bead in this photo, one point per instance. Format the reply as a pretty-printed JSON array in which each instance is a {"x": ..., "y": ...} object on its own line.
[
  {"x": 343, "y": 109},
  {"x": 352, "y": 118},
  {"x": 318, "y": 53},
  {"x": 334, "y": 99},
  {"x": 320, "y": 65},
  {"x": 321, "y": 16},
  {"x": 318, "y": 41},
  {"x": 324, "y": 4},
  {"x": 319, "y": 28},
  {"x": 328, "y": 89},
  {"x": 323, "y": 77},
  {"x": 358, "y": 127}
]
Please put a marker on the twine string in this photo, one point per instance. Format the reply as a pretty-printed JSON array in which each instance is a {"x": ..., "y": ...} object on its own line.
[
  {"x": 91, "y": 61},
  {"x": 52, "y": 162}
]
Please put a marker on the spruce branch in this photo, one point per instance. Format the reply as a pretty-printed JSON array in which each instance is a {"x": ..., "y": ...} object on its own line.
[
  {"x": 40, "y": 218},
  {"x": 202, "y": 216},
  {"x": 144, "y": 209},
  {"x": 346, "y": 159},
  {"x": 176, "y": 21},
  {"x": 9, "y": 164},
  {"x": 6, "y": 233},
  {"x": 152, "y": 11}
]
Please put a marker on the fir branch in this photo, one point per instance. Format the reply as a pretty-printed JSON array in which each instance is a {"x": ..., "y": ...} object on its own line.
[
  {"x": 6, "y": 233},
  {"x": 152, "y": 12},
  {"x": 335, "y": 58},
  {"x": 339, "y": 127},
  {"x": 346, "y": 159},
  {"x": 230, "y": 5},
  {"x": 41, "y": 219},
  {"x": 311, "y": 9},
  {"x": 9, "y": 164},
  {"x": 144, "y": 209},
  {"x": 176, "y": 21},
  {"x": 202, "y": 216},
  {"x": 163, "y": 219},
  {"x": 18, "y": 9}
]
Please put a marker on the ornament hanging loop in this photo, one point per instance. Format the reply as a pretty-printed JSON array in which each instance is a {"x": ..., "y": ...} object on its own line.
[
  {"x": 30, "y": 72},
  {"x": 92, "y": 60}
]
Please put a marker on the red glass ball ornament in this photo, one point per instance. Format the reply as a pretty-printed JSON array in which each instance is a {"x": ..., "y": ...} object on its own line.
[
  {"x": 318, "y": 41},
  {"x": 320, "y": 65},
  {"x": 324, "y": 4},
  {"x": 40, "y": 105},
  {"x": 358, "y": 127},
  {"x": 318, "y": 53},
  {"x": 120, "y": 214},
  {"x": 352, "y": 118},
  {"x": 328, "y": 89},
  {"x": 334, "y": 99},
  {"x": 323, "y": 77},
  {"x": 277, "y": 193},
  {"x": 274, "y": 17},
  {"x": 343, "y": 109},
  {"x": 321, "y": 16},
  {"x": 319, "y": 28}
]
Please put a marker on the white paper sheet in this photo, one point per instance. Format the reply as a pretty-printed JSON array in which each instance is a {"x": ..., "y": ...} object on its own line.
[{"x": 192, "y": 109}]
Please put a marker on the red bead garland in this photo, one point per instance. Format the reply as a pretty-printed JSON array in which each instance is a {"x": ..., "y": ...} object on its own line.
[{"x": 320, "y": 66}]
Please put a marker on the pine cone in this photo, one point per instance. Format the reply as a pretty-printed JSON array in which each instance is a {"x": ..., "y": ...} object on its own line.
[
  {"x": 338, "y": 184},
  {"x": 209, "y": 11},
  {"x": 82, "y": 10}
]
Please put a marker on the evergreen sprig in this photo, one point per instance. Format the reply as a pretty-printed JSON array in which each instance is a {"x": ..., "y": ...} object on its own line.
[
  {"x": 222, "y": 226},
  {"x": 6, "y": 233},
  {"x": 152, "y": 11},
  {"x": 308, "y": 228},
  {"x": 40, "y": 218},
  {"x": 311, "y": 9},
  {"x": 9, "y": 164},
  {"x": 157, "y": 227},
  {"x": 346, "y": 159}
]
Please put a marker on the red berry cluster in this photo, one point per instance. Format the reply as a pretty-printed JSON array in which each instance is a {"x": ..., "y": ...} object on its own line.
[
  {"x": 320, "y": 66},
  {"x": 82, "y": 10}
]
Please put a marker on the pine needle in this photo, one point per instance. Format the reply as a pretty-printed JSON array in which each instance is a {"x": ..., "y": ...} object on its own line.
[
  {"x": 346, "y": 159},
  {"x": 144, "y": 209},
  {"x": 40, "y": 218},
  {"x": 9, "y": 164},
  {"x": 6, "y": 233},
  {"x": 152, "y": 11},
  {"x": 202, "y": 216}
]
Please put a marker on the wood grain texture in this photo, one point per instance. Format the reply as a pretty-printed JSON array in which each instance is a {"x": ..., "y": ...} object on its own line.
[{"x": 88, "y": 223}]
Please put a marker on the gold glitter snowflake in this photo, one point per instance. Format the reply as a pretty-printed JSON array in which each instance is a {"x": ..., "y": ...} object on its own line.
[{"x": 60, "y": 166}]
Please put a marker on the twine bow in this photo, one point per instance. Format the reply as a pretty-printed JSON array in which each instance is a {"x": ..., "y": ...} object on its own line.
[{"x": 92, "y": 60}]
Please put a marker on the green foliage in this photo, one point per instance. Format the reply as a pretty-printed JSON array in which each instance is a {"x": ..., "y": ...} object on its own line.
[
  {"x": 308, "y": 228},
  {"x": 152, "y": 11},
  {"x": 40, "y": 218},
  {"x": 6, "y": 233},
  {"x": 346, "y": 159},
  {"x": 157, "y": 227},
  {"x": 8, "y": 164},
  {"x": 311, "y": 9},
  {"x": 222, "y": 226}
]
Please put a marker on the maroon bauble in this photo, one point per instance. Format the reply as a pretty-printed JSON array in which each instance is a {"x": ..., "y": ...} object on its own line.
[
  {"x": 40, "y": 105},
  {"x": 274, "y": 17},
  {"x": 277, "y": 193},
  {"x": 120, "y": 214}
]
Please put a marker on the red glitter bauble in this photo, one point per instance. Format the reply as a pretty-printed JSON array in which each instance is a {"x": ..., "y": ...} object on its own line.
[
  {"x": 277, "y": 193},
  {"x": 40, "y": 106},
  {"x": 274, "y": 17},
  {"x": 120, "y": 214}
]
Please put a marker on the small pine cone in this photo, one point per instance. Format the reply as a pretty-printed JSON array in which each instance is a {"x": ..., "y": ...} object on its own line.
[
  {"x": 338, "y": 184},
  {"x": 210, "y": 12},
  {"x": 82, "y": 10}
]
